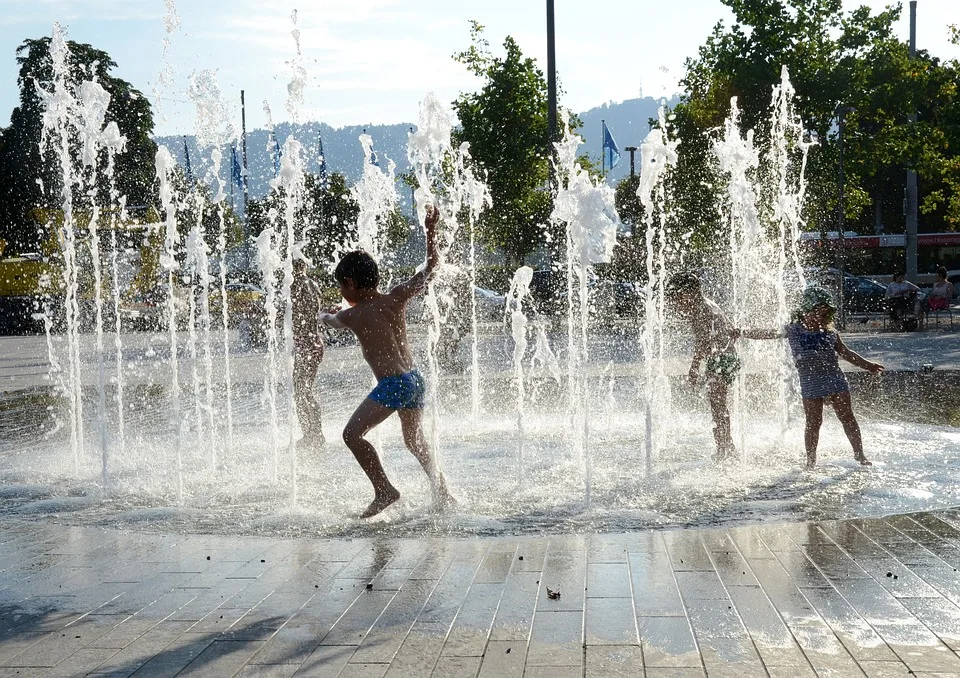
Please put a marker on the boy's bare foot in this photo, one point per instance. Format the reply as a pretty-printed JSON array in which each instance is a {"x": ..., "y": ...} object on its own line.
[
  {"x": 863, "y": 460},
  {"x": 380, "y": 502},
  {"x": 811, "y": 464}
]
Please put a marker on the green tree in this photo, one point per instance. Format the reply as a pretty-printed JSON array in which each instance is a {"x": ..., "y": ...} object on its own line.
[
  {"x": 506, "y": 125},
  {"x": 834, "y": 59},
  {"x": 23, "y": 170},
  {"x": 327, "y": 218}
]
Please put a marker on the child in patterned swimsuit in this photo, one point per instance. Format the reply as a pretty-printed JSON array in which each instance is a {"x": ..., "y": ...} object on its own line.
[
  {"x": 714, "y": 344},
  {"x": 816, "y": 347},
  {"x": 379, "y": 322}
]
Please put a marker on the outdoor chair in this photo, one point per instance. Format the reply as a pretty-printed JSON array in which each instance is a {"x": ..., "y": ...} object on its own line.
[{"x": 948, "y": 310}]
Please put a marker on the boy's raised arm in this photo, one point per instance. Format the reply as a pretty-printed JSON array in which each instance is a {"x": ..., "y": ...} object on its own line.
[{"x": 419, "y": 280}]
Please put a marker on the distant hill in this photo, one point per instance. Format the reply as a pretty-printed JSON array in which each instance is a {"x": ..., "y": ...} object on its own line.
[{"x": 628, "y": 122}]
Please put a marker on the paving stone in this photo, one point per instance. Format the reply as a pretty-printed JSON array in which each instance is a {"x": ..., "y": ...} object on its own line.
[
  {"x": 557, "y": 639},
  {"x": 608, "y": 580},
  {"x": 503, "y": 659},
  {"x": 668, "y": 642},
  {"x": 611, "y": 621},
  {"x": 614, "y": 661}
]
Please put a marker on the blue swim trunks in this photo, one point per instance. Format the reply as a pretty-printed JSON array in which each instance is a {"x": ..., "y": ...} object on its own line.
[{"x": 400, "y": 391}]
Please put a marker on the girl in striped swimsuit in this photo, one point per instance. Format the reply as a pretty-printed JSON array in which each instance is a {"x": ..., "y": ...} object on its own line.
[{"x": 816, "y": 349}]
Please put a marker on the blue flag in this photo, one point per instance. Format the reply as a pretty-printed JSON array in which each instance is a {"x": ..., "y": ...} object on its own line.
[
  {"x": 277, "y": 155},
  {"x": 186, "y": 154},
  {"x": 611, "y": 154},
  {"x": 322, "y": 174},
  {"x": 235, "y": 170}
]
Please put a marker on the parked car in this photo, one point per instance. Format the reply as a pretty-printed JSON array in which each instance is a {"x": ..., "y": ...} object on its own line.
[{"x": 490, "y": 305}]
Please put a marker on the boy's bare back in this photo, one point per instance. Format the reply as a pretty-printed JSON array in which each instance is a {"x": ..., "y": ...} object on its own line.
[{"x": 379, "y": 320}]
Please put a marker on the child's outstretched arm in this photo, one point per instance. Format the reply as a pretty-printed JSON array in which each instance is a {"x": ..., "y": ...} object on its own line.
[
  {"x": 757, "y": 334},
  {"x": 416, "y": 282},
  {"x": 855, "y": 358}
]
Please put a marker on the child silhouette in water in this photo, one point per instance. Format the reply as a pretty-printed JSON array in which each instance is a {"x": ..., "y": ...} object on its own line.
[
  {"x": 379, "y": 322},
  {"x": 816, "y": 349},
  {"x": 712, "y": 342}
]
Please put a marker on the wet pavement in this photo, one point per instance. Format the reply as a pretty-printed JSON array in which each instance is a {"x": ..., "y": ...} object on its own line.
[{"x": 874, "y": 597}]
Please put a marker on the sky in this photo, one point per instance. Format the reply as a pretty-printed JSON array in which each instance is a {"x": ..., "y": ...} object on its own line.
[{"x": 373, "y": 61}]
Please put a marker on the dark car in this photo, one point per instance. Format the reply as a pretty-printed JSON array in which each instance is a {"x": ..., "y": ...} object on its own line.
[{"x": 863, "y": 295}]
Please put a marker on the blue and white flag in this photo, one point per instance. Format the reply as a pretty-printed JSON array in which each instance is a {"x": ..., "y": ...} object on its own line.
[
  {"x": 322, "y": 174},
  {"x": 277, "y": 155},
  {"x": 235, "y": 171},
  {"x": 611, "y": 154},
  {"x": 186, "y": 154}
]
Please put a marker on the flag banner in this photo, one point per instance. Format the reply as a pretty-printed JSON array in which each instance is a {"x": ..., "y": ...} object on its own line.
[
  {"x": 186, "y": 155},
  {"x": 235, "y": 170},
  {"x": 277, "y": 155},
  {"x": 611, "y": 153},
  {"x": 322, "y": 174}
]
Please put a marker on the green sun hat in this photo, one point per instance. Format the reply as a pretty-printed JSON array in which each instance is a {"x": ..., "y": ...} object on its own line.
[{"x": 814, "y": 297}]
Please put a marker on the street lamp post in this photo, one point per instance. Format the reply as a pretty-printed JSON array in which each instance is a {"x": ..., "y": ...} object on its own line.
[
  {"x": 841, "y": 216},
  {"x": 631, "y": 150}
]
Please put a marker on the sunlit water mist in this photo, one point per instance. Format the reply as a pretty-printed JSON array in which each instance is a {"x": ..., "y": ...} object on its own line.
[{"x": 201, "y": 435}]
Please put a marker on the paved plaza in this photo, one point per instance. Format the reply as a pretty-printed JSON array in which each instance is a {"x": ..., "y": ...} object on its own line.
[{"x": 874, "y": 597}]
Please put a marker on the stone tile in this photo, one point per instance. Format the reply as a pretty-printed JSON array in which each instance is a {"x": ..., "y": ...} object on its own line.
[
  {"x": 352, "y": 627},
  {"x": 940, "y": 616},
  {"x": 611, "y": 621},
  {"x": 515, "y": 619},
  {"x": 495, "y": 566},
  {"x": 614, "y": 661},
  {"x": 327, "y": 661},
  {"x": 608, "y": 580},
  {"x": 662, "y": 672},
  {"x": 503, "y": 659},
  {"x": 267, "y": 671},
  {"x": 557, "y": 639},
  {"x": 388, "y": 632},
  {"x": 553, "y": 672},
  {"x": 471, "y": 628},
  {"x": 564, "y": 571},
  {"x": 222, "y": 658},
  {"x": 668, "y": 642},
  {"x": 607, "y": 548},
  {"x": 456, "y": 667},
  {"x": 655, "y": 589},
  {"x": 364, "y": 671}
]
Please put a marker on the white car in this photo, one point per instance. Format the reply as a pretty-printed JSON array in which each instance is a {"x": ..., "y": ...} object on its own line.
[{"x": 490, "y": 305}]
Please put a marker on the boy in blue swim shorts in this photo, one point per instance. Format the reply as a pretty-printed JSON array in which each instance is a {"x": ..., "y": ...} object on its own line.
[{"x": 379, "y": 321}]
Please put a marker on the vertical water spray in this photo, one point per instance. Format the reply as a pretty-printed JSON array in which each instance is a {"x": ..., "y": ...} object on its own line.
[
  {"x": 658, "y": 156},
  {"x": 586, "y": 208},
  {"x": 213, "y": 132},
  {"x": 168, "y": 262},
  {"x": 786, "y": 160},
  {"x": 58, "y": 124},
  {"x": 96, "y": 136},
  {"x": 519, "y": 291},
  {"x": 291, "y": 182}
]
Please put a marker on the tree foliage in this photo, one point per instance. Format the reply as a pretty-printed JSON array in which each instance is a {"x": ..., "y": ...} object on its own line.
[
  {"x": 835, "y": 59},
  {"x": 27, "y": 182},
  {"x": 506, "y": 124}
]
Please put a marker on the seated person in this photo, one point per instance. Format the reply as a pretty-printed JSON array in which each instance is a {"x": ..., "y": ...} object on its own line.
[
  {"x": 900, "y": 296},
  {"x": 941, "y": 294}
]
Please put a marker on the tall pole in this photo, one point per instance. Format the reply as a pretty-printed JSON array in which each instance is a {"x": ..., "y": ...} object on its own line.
[
  {"x": 551, "y": 78},
  {"x": 246, "y": 192},
  {"x": 911, "y": 216},
  {"x": 841, "y": 218},
  {"x": 243, "y": 128},
  {"x": 603, "y": 148},
  {"x": 631, "y": 150}
]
